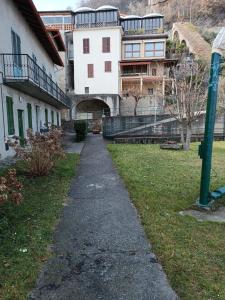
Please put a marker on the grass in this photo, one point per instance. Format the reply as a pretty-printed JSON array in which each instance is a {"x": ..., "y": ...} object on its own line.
[
  {"x": 162, "y": 183},
  {"x": 26, "y": 230}
]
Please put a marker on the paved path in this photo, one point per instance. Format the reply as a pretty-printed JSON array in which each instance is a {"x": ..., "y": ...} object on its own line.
[{"x": 100, "y": 249}]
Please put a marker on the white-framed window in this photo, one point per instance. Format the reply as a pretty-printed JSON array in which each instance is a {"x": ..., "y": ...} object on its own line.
[
  {"x": 132, "y": 50},
  {"x": 154, "y": 49}
]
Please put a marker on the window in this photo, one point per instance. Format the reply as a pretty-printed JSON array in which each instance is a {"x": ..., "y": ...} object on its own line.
[
  {"x": 154, "y": 72},
  {"x": 106, "y": 16},
  {"x": 106, "y": 44},
  {"x": 151, "y": 91},
  {"x": 108, "y": 66},
  {"x": 46, "y": 117},
  {"x": 86, "y": 46},
  {"x": 132, "y": 25},
  {"x": 132, "y": 50},
  {"x": 90, "y": 70},
  {"x": 10, "y": 117},
  {"x": 152, "y": 25},
  {"x": 86, "y": 89},
  {"x": 29, "y": 115},
  {"x": 154, "y": 49},
  {"x": 16, "y": 49},
  {"x": 53, "y": 117}
]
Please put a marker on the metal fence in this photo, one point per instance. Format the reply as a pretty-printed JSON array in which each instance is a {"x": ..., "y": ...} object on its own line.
[{"x": 155, "y": 127}]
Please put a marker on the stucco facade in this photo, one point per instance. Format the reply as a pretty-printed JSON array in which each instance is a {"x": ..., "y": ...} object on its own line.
[{"x": 12, "y": 20}]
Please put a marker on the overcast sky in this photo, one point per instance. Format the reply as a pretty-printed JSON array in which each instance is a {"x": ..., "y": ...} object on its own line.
[{"x": 55, "y": 4}]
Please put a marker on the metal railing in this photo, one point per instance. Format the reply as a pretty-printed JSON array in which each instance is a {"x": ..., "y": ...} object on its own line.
[
  {"x": 97, "y": 24},
  {"x": 21, "y": 67},
  {"x": 143, "y": 31}
]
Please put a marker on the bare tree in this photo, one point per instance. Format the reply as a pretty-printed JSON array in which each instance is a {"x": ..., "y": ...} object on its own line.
[
  {"x": 189, "y": 94},
  {"x": 135, "y": 93}
]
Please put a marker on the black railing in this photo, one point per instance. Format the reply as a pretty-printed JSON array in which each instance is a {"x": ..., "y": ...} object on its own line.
[{"x": 21, "y": 67}]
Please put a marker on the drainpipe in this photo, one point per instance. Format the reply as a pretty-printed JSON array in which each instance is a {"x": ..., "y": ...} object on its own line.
[{"x": 3, "y": 112}]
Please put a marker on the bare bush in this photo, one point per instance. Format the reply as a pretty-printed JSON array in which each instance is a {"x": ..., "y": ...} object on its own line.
[
  {"x": 41, "y": 152},
  {"x": 10, "y": 188}
]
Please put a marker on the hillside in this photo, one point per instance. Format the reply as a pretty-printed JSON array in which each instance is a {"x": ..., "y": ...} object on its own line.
[{"x": 202, "y": 12}]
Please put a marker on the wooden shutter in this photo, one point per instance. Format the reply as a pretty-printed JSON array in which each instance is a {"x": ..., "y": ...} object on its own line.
[
  {"x": 29, "y": 114},
  {"x": 46, "y": 117},
  {"x": 10, "y": 117},
  {"x": 53, "y": 119},
  {"x": 90, "y": 70},
  {"x": 57, "y": 119},
  {"x": 86, "y": 46},
  {"x": 106, "y": 44},
  {"x": 108, "y": 66}
]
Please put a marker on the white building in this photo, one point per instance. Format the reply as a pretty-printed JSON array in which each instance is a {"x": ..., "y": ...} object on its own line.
[
  {"x": 29, "y": 95},
  {"x": 107, "y": 55}
]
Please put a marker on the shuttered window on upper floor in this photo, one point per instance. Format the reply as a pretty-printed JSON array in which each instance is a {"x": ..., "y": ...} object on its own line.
[
  {"x": 108, "y": 66},
  {"x": 90, "y": 70},
  {"x": 106, "y": 45},
  {"x": 86, "y": 46}
]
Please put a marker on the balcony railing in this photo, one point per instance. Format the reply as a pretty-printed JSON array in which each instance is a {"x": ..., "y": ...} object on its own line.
[
  {"x": 96, "y": 24},
  {"x": 143, "y": 31},
  {"x": 21, "y": 68}
]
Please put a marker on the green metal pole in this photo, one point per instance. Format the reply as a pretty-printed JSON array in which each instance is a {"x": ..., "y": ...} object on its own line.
[{"x": 207, "y": 146}]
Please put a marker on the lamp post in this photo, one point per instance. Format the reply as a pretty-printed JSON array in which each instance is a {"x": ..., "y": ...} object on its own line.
[{"x": 205, "y": 149}]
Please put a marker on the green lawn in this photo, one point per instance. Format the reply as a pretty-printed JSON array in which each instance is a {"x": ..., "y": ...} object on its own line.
[
  {"x": 162, "y": 183},
  {"x": 26, "y": 230}
]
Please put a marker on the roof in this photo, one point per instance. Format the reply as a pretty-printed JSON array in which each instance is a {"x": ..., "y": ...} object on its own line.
[
  {"x": 55, "y": 12},
  {"x": 107, "y": 7},
  {"x": 32, "y": 17},
  {"x": 153, "y": 15},
  {"x": 83, "y": 9},
  {"x": 56, "y": 35}
]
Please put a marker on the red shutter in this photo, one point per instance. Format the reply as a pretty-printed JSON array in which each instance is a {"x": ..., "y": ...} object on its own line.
[
  {"x": 90, "y": 70},
  {"x": 106, "y": 44},
  {"x": 108, "y": 66},
  {"x": 86, "y": 48}
]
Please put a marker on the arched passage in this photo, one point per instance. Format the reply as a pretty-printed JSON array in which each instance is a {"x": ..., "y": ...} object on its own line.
[
  {"x": 92, "y": 110},
  {"x": 92, "y": 106}
]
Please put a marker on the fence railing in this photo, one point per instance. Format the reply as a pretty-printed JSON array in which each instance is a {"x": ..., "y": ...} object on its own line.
[
  {"x": 160, "y": 126},
  {"x": 97, "y": 24},
  {"x": 22, "y": 67}
]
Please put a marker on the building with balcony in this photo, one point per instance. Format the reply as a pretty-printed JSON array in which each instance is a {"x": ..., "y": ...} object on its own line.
[
  {"x": 109, "y": 54},
  {"x": 29, "y": 60}
]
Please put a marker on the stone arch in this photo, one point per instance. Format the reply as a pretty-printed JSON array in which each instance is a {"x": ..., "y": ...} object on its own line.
[
  {"x": 176, "y": 37},
  {"x": 96, "y": 108}
]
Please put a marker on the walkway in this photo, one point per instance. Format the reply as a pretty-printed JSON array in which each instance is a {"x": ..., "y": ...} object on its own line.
[{"x": 100, "y": 249}]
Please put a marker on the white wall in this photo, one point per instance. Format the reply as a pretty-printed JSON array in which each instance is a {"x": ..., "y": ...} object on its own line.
[
  {"x": 11, "y": 19},
  {"x": 102, "y": 83},
  {"x": 20, "y": 101}
]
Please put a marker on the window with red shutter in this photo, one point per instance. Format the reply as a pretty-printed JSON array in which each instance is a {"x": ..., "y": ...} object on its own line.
[
  {"x": 108, "y": 66},
  {"x": 90, "y": 70},
  {"x": 106, "y": 44},
  {"x": 86, "y": 46}
]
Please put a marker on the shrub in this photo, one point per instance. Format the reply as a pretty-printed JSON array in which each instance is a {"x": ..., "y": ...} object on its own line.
[
  {"x": 10, "y": 188},
  {"x": 41, "y": 152},
  {"x": 81, "y": 130}
]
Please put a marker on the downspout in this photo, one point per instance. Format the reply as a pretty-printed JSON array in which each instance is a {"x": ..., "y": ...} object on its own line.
[{"x": 3, "y": 112}]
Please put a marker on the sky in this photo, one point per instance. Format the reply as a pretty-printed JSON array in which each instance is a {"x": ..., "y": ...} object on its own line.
[{"x": 55, "y": 4}]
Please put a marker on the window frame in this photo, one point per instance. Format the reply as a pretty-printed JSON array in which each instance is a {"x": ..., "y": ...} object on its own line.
[
  {"x": 132, "y": 51},
  {"x": 154, "y": 50}
]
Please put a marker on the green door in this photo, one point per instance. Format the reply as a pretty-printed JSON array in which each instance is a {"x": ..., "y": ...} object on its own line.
[{"x": 21, "y": 126}]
